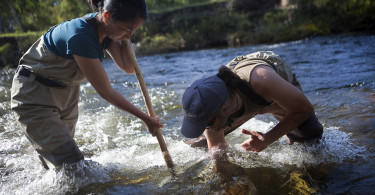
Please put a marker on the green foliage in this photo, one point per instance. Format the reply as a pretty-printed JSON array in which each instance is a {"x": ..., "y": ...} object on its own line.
[
  {"x": 338, "y": 16},
  {"x": 69, "y": 9},
  {"x": 24, "y": 40},
  {"x": 36, "y": 15},
  {"x": 254, "y": 5},
  {"x": 25, "y": 34},
  {"x": 313, "y": 17},
  {"x": 214, "y": 26},
  {"x": 273, "y": 26},
  {"x": 215, "y": 29},
  {"x": 13, "y": 45},
  {"x": 162, "y": 43},
  {"x": 191, "y": 24},
  {"x": 5, "y": 51},
  {"x": 157, "y": 6}
]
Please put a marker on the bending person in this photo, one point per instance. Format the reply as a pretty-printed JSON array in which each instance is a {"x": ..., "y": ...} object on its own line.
[
  {"x": 45, "y": 89},
  {"x": 249, "y": 85}
]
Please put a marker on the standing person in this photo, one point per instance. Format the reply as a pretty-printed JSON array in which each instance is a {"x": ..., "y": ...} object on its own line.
[
  {"x": 249, "y": 85},
  {"x": 45, "y": 89}
]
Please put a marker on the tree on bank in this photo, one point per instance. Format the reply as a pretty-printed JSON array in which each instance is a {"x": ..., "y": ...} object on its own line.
[
  {"x": 176, "y": 25},
  {"x": 37, "y": 15}
]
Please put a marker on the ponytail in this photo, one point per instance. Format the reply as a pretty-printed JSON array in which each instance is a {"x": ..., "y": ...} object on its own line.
[
  {"x": 121, "y": 10},
  {"x": 230, "y": 79},
  {"x": 96, "y": 5},
  {"x": 234, "y": 82}
]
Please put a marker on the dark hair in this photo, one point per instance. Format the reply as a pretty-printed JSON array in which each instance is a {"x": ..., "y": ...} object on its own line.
[
  {"x": 231, "y": 80},
  {"x": 121, "y": 10}
]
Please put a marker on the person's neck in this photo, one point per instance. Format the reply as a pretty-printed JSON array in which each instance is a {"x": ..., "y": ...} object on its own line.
[
  {"x": 237, "y": 102},
  {"x": 101, "y": 28}
]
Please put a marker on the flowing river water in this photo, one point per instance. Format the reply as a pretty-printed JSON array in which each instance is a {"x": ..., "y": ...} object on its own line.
[{"x": 337, "y": 74}]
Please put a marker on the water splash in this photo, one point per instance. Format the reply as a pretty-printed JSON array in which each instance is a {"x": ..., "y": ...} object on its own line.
[
  {"x": 335, "y": 146},
  {"x": 68, "y": 179}
]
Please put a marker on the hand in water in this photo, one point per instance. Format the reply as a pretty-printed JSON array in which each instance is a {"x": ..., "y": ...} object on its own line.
[
  {"x": 222, "y": 166},
  {"x": 153, "y": 124},
  {"x": 256, "y": 142},
  {"x": 225, "y": 168}
]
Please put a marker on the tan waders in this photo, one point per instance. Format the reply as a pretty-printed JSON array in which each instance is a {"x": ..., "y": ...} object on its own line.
[{"x": 44, "y": 98}]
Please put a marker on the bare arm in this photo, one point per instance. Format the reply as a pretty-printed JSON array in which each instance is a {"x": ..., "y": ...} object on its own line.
[
  {"x": 202, "y": 140},
  {"x": 215, "y": 139},
  {"x": 117, "y": 50},
  {"x": 96, "y": 75},
  {"x": 268, "y": 84},
  {"x": 217, "y": 149}
]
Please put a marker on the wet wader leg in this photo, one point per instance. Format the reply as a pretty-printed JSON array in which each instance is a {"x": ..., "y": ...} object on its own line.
[
  {"x": 67, "y": 153},
  {"x": 309, "y": 130},
  {"x": 49, "y": 130},
  {"x": 49, "y": 135}
]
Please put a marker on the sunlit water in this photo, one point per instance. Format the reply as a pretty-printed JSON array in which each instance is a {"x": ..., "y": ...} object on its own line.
[{"x": 337, "y": 74}]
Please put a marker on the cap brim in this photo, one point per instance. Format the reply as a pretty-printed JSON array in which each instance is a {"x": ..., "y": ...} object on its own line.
[{"x": 192, "y": 129}]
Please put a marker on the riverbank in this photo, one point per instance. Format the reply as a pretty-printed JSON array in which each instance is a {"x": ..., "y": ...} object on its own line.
[
  {"x": 226, "y": 23},
  {"x": 233, "y": 23},
  {"x": 14, "y": 45}
]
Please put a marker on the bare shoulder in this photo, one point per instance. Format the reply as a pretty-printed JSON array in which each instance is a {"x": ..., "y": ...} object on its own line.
[
  {"x": 263, "y": 71},
  {"x": 267, "y": 83},
  {"x": 263, "y": 76}
]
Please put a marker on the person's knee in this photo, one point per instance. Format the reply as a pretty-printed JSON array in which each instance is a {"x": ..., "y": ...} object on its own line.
[
  {"x": 312, "y": 127},
  {"x": 309, "y": 130},
  {"x": 67, "y": 153}
]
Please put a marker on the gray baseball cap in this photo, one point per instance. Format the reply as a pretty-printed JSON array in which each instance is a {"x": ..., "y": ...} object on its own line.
[{"x": 200, "y": 101}]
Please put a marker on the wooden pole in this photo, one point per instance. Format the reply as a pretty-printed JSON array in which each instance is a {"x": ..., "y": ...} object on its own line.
[{"x": 147, "y": 99}]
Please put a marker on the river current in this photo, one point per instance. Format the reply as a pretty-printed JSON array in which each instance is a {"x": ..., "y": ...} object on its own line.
[{"x": 337, "y": 74}]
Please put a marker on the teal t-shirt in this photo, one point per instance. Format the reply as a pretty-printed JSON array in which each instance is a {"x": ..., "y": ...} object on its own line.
[{"x": 76, "y": 37}]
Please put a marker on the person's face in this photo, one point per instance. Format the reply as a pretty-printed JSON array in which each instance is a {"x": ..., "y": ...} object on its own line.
[
  {"x": 223, "y": 117},
  {"x": 121, "y": 31},
  {"x": 217, "y": 122}
]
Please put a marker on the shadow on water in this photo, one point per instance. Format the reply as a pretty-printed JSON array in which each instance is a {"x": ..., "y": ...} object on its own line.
[{"x": 336, "y": 73}]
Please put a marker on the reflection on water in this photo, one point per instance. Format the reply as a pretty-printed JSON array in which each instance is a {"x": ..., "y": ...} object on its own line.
[{"x": 336, "y": 72}]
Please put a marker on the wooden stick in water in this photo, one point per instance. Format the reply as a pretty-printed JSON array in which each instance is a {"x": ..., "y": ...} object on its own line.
[{"x": 147, "y": 99}]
